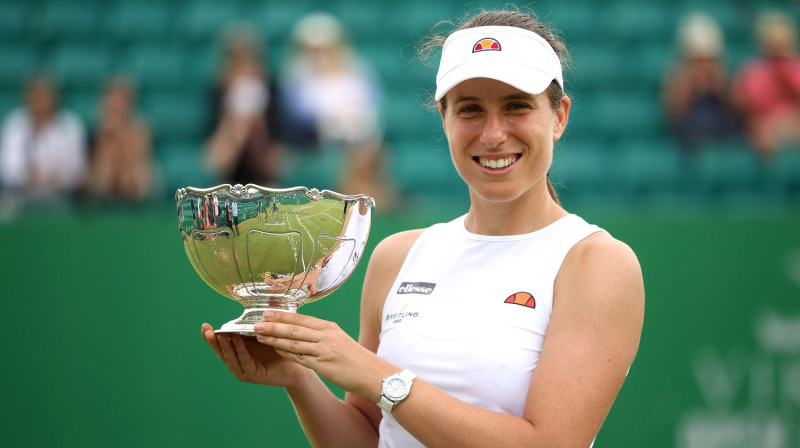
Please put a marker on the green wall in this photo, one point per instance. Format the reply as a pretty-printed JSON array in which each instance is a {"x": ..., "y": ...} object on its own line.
[{"x": 101, "y": 313}]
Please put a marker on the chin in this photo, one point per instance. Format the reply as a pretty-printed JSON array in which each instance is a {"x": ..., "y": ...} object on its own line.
[{"x": 497, "y": 193}]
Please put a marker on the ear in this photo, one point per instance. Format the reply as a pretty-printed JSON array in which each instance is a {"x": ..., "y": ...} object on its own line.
[
  {"x": 562, "y": 118},
  {"x": 441, "y": 114}
]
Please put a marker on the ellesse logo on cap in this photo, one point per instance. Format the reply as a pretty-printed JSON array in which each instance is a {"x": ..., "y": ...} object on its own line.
[
  {"x": 486, "y": 44},
  {"x": 416, "y": 288}
]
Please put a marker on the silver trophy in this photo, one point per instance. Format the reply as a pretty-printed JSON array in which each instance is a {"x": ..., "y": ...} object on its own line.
[{"x": 272, "y": 249}]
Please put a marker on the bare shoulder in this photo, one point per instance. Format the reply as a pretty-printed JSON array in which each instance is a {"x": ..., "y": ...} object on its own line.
[
  {"x": 600, "y": 253},
  {"x": 602, "y": 269},
  {"x": 392, "y": 250}
]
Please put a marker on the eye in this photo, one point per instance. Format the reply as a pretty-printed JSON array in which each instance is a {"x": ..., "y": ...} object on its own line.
[
  {"x": 519, "y": 106},
  {"x": 469, "y": 109}
]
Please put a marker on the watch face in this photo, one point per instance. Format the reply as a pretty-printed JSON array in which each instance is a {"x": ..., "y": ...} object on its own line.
[{"x": 396, "y": 388}]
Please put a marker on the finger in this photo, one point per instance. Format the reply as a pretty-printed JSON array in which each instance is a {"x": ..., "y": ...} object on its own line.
[
  {"x": 245, "y": 360},
  {"x": 299, "y": 358},
  {"x": 301, "y": 320},
  {"x": 211, "y": 339},
  {"x": 203, "y": 328},
  {"x": 229, "y": 354},
  {"x": 291, "y": 345},
  {"x": 287, "y": 331}
]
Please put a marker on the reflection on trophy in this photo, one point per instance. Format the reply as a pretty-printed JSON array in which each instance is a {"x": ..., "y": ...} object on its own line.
[{"x": 272, "y": 249}]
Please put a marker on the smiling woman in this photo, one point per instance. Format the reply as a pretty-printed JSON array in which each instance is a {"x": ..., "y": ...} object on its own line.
[{"x": 512, "y": 325}]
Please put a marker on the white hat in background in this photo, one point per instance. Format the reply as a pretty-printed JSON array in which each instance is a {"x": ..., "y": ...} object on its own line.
[{"x": 699, "y": 35}]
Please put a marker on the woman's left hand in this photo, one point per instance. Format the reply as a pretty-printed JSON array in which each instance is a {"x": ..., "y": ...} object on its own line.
[{"x": 325, "y": 348}]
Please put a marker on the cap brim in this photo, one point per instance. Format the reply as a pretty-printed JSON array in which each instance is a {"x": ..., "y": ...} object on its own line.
[{"x": 521, "y": 76}]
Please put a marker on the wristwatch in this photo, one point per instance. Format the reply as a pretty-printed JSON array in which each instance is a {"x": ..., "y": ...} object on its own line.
[{"x": 395, "y": 389}]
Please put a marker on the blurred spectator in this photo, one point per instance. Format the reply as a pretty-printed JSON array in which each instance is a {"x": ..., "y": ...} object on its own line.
[
  {"x": 331, "y": 96},
  {"x": 42, "y": 148},
  {"x": 241, "y": 149},
  {"x": 768, "y": 88},
  {"x": 696, "y": 91},
  {"x": 121, "y": 164},
  {"x": 364, "y": 172},
  {"x": 333, "y": 99}
]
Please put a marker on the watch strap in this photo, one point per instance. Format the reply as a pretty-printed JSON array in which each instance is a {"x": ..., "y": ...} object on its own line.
[
  {"x": 386, "y": 404},
  {"x": 407, "y": 375}
]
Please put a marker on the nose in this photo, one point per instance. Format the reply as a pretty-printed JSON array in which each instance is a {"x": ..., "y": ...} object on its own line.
[{"x": 494, "y": 132}]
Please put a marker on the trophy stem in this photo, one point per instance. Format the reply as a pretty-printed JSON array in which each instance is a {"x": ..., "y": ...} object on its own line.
[{"x": 243, "y": 325}]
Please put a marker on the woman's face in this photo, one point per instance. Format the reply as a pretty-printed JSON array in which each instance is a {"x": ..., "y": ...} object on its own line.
[{"x": 501, "y": 138}]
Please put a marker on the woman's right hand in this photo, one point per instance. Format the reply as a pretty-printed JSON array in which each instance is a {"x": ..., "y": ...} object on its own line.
[{"x": 250, "y": 361}]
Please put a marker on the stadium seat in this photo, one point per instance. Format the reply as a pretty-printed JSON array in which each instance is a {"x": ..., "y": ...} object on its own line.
[
  {"x": 632, "y": 21},
  {"x": 597, "y": 68},
  {"x": 577, "y": 21},
  {"x": 579, "y": 168},
  {"x": 9, "y": 101},
  {"x": 139, "y": 22},
  {"x": 155, "y": 66},
  {"x": 68, "y": 21},
  {"x": 786, "y": 173},
  {"x": 318, "y": 168},
  {"x": 424, "y": 168},
  {"x": 84, "y": 103},
  {"x": 738, "y": 55},
  {"x": 390, "y": 63},
  {"x": 728, "y": 168},
  {"x": 582, "y": 124},
  {"x": 205, "y": 20},
  {"x": 627, "y": 115},
  {"x": 182, "y": 166},
  {"x": 648, "y": 166},
  {"x": 15, "y": 21},
  {"x": 362, "y": 25},
  {"x": 406, "y": 118},
  {"x": 645, "y": 67},
  {"x": 406, "y": 22},
  {"x": 17, "y": 63},
  {"x": 80, "y": 66},
  {"x": 275, "y": 21},
  {"x": 177, "y": 117},
  {"x": 202, "y": 65}
]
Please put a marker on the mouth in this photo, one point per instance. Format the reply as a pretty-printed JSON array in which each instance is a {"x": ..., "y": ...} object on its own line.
[{"x": 497, "y": 163}]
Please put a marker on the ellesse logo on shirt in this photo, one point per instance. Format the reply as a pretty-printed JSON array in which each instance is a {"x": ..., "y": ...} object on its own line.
[{"x": 416, "y": 288}]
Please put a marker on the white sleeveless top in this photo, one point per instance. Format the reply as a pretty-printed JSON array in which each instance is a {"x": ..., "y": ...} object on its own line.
[{"x": 468, "y": 313}]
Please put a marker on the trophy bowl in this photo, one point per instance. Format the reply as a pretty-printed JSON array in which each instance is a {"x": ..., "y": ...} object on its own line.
[{"x": 272, "y": 249}]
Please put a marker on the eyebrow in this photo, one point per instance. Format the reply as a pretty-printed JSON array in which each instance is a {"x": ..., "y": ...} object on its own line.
[
  {"x": 513, "y": 96},
  {"x": 461, "y": 99},
  {"x": 518, "y": 96}
]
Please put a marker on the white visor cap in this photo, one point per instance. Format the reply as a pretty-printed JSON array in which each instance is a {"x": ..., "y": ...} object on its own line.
[{"x": 517, "y": 57}]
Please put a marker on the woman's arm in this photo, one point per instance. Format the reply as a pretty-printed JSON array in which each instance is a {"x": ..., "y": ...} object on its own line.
[{"x": 327, "y": 420}]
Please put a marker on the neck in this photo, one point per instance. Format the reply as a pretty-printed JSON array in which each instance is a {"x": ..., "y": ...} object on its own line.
[
  {"x": 41, "y": 119},
  {"x": 525, "y": 214}
]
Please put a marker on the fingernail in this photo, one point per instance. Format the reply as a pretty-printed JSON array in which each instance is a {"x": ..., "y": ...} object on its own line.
[
  {"x": 259, "y": 326},
  {"x": 268, "y": 314},
  {"x": 261, "y": 338}
]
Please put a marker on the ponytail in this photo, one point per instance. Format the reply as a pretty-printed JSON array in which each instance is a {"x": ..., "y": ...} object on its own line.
[{"x": 552, "y": 191}]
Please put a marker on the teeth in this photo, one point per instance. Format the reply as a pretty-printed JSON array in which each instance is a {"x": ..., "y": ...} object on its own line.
[{"x": 497, "y": 163}]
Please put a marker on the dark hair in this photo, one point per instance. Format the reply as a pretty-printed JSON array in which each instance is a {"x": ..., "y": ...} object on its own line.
[{"x": 524, "y": 19}]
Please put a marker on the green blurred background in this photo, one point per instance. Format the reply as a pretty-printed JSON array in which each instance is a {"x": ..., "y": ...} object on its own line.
[{"x": 102, "y": 309}]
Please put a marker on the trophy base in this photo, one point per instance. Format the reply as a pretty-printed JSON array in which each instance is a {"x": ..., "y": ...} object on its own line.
[{"x": 243, "y": 325}]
